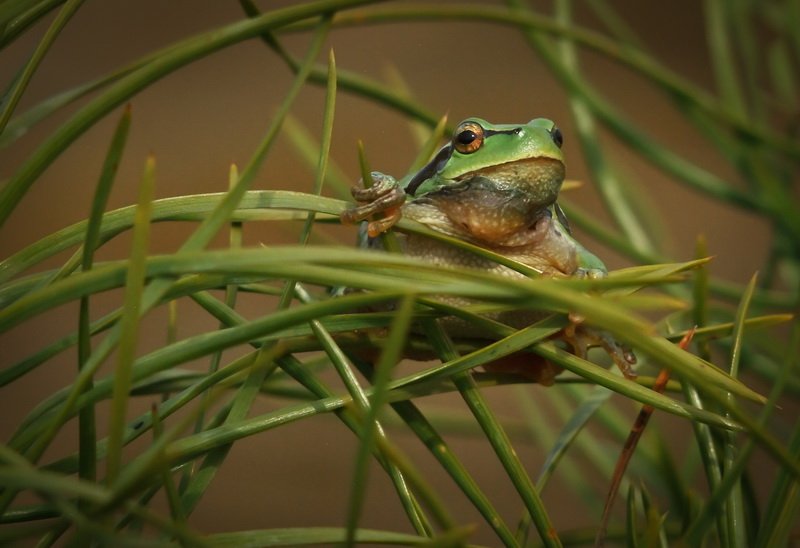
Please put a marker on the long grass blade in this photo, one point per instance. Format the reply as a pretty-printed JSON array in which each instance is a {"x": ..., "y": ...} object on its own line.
[
  {"x": 389, "y": 358},
  {"x": 172, "y": 58},
  {"x": 87, "y": 428},
  {"x": 12, "y": 96},
  {"x": 129, "y": 323}
]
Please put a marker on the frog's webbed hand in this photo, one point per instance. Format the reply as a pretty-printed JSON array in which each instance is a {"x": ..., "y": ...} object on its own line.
[{"x": 384, "y": 196}]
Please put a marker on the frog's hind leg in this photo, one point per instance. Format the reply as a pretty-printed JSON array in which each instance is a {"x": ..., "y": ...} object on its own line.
[{"x": 582, "y": 337}]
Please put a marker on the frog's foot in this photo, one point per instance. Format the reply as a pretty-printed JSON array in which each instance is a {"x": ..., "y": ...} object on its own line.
[
  {"x": 384, "y": 196},
  {"x": 582, "y": 337}
]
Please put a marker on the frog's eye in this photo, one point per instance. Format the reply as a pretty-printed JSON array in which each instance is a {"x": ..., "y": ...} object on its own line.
[
  {"x": 555, "y": 134},
  {"x": 468, "y": 137}
]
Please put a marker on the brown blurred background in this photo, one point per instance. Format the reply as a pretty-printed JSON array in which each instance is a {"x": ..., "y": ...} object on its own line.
[{"x": 214, "y": 112}]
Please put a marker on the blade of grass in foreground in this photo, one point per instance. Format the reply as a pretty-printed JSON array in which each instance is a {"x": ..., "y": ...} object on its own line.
[
  {"x": 391, "y": 355},
  {"x": 496, "y": 435},
  {"x": 199, "y": 239},
  {"x": 129, "y": 324},
  {"x": 231, "y": 292},
  {"x": 86, "y": 421}
]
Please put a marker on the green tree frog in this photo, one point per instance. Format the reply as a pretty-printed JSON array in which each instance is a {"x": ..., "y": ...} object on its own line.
[{"x": 496, "y": 186}]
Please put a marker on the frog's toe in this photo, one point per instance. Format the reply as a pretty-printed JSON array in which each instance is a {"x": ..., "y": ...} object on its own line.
[
  {"x": 582, "y": 337},
  {"x": 384, "y": 196}
]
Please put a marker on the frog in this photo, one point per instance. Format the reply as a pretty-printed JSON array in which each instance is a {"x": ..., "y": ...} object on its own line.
[{"x": 495, "y": 186}]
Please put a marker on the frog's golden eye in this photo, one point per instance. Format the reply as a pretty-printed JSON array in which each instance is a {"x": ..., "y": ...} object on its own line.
[{"x": 468, "y": 137}]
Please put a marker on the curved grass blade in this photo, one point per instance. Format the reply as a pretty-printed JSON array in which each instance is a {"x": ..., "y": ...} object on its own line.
[
  {"x": 16, "y": 16},
  {"x": 159, "y": 66},
  {"x": 643, "y": 64},
  {"x": 253, "y": 205},
  {"x": 315, "y": 536},
  {"x": 207, "y": 229}
]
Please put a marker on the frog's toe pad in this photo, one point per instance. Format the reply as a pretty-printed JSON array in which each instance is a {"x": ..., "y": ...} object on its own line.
[{"x": 582, "y": 337}]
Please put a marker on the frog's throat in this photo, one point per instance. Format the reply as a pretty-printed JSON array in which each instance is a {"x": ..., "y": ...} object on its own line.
[{"x": 538, "y": 175}]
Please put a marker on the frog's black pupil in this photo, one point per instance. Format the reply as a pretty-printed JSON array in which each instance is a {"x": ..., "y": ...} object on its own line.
[
  {"x": 558, "y": 139},
  {"x": 466, "y": 137}
]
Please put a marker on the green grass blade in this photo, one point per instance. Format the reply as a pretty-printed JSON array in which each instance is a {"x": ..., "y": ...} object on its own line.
[
  {"x": 261, "y": 367},
  {"x": 389, "y": 358},
  {"x": 17, "y": 16},
  {"x": 425, "y": 431},
  {"x": 172, "y": 58},
  {"x": 734, "y": 506},
  {"x": 173, "y": 499},
  {"x": 207, "y": 230},
  {"x": 615, "y": 197},
  {"x": 129, "y": 323},
  {"x": 496, "y": 436},
  {"x": 722, "y": 53},
  {"x": 312, "y": 536},
  {"x": 87, "y": 428},
  {"x": 11, "y": 97}
]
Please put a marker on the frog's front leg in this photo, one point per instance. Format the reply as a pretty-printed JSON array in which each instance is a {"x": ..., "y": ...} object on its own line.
[{"x": 384, "y": 196}]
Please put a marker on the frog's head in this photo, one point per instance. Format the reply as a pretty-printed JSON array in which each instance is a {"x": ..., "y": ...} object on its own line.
[{"x": 523, "y": 157}]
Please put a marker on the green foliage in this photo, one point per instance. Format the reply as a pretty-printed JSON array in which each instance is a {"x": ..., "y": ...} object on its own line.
[{"x": 102, "y": 493}]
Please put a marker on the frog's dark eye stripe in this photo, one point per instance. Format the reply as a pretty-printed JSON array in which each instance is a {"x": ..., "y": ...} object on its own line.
[{"x": 430, "y": 169}]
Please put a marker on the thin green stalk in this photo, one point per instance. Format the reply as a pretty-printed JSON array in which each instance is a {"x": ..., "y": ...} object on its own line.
[
  {"x": 319, "y": 177},
  {"x": 261, "y": 367},
  {"x": 496, "y": 436},
  {"x": 723, "y": 51},
  {"x": 361, "y": 404},
  {"x": 615, "y": 197},
  {"x": 173, "y": 499},
  {"x": 13, "y": 22},
  {"x": 724, "y": 494},
  {"x": 129, "y": 324},
  {"x": 199, "y": 239},
  {"x": 425, "y": 431},
  {"x": 390, "y": 356},
  {"x": 86, "y": 421},
  {"x": 170, "y": 60},
  {"x": 231, "y": 291},
  {"x": 12, "y": 96},
  {"x": 737, "y": 532}
]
